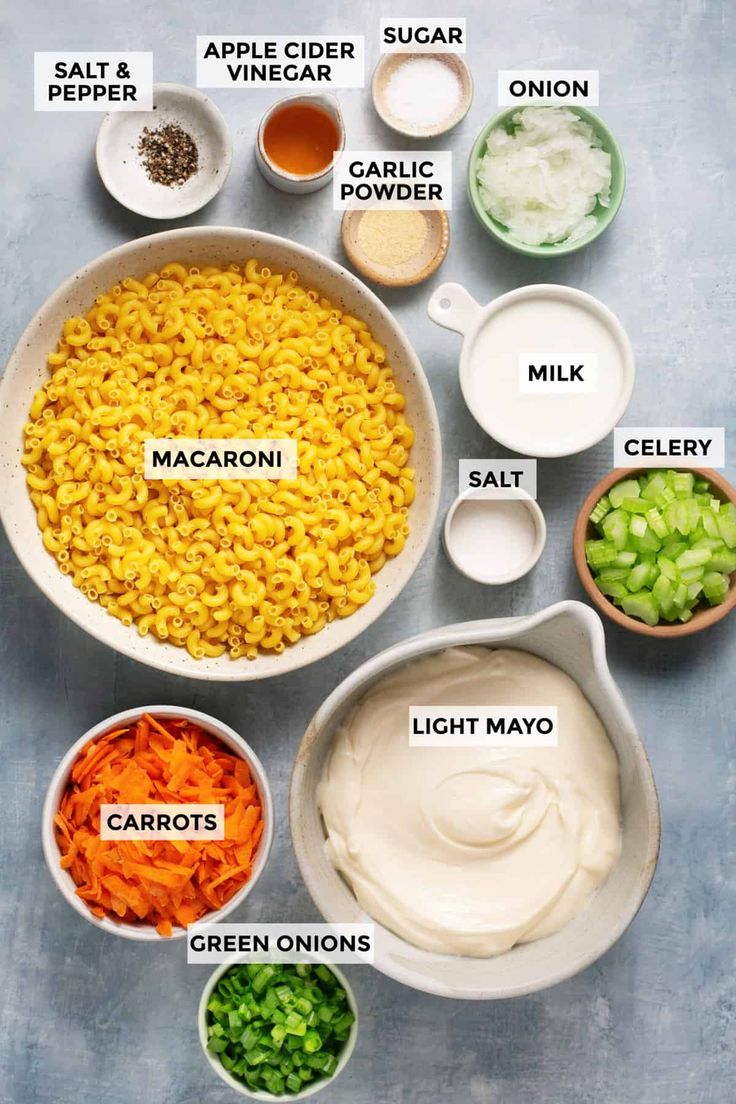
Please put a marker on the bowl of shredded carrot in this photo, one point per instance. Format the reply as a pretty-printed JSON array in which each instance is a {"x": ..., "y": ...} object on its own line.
[{"x": 153, "y": 889}]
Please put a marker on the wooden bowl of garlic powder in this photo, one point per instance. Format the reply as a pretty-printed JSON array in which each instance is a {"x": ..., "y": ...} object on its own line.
[{"x": 396, "y": 247}]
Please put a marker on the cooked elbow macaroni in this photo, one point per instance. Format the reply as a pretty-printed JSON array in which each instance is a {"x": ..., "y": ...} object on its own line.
[{"x": 218, "y": 566}]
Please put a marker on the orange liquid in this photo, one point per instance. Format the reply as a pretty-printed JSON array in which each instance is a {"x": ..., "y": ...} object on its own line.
[{"x": 301, "y": 139}]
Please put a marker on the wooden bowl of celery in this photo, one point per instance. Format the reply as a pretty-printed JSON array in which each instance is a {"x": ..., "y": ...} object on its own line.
[{"x": 655, "y": 549}]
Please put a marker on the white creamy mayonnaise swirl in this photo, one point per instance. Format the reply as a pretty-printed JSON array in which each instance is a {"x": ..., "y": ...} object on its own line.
[{"x": 472, "y": 850}]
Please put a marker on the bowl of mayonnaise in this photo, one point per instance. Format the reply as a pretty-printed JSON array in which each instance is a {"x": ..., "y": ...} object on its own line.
[{"x": 480, "y": 794}]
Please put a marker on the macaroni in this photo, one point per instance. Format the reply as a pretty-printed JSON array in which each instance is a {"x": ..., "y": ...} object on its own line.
[{"x": 220, "y": 566}]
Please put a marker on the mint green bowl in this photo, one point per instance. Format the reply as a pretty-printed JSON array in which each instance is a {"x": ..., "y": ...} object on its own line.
[{"x": 604, "y": 216}]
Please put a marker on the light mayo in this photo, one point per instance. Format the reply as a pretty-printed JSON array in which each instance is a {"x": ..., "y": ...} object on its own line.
[{"x": 472, "y": 850}]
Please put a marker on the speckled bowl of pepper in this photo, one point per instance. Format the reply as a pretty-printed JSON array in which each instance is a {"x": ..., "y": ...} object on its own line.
[{"x": 168, "y": 162}]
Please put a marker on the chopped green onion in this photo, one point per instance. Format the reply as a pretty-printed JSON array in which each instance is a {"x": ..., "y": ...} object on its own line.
[{"x": 278, "y": 1027}]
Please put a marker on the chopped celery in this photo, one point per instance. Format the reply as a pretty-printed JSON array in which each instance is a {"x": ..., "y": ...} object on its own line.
[
  {"x": 682, "y": 484},
  {"x": 611, "y": 589},
  {"x": 635, "y": 506},
  {"x": 641, "y": 605},
  {"x": 627, "y": 488},
  {"x": 723, "y": 559},
  {"x": 638, "y": 577},
  {"x": 656, "y": 522},
  {"x": 601, "y": 508},
  {"x": 615, "y": 528},
  {"x": 652, "y": 490},
  {"x": 667, "y": 544},
  {"x": 693, "y": 557},
  {"x": 638, "y": 525}
]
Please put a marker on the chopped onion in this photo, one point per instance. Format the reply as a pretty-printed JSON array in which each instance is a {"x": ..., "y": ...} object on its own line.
[{"x": 543, "y": 179}]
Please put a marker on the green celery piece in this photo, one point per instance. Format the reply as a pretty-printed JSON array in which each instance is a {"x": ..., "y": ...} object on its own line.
[
  {"x": 635, "y": 506},
  {"x": 641, "y": 605},
  {"x": 710, "y": 525},
  {"x": 600, "y": 553},
  {"x": 656, "y": 522},
  {"x": 637, "y": 526},
  {"x": 601, "y": 508},
  {"x": 668, "y": 568},
  {"x": 612, "y": 590},
  {"x": 701, "y": 486},
  {"x": 615, "y": 528},
  {"x": 685, "y": 615},
  {"x": 663, "y": 593},
  {"x": 727, "y": 528},
  {"x": 683, "y": 483},
  {"x": 648, "y": 542},
  {"x": 638, "y": 577},
  {"x": 692, "y": 574},
  {"x": 723, "y": 560},
  {"x": 626, "y": 559},
  {"x": 613, "y": 574},
  {"x": 654, "y": 487},
  {"x": 679, "y": 598},
  {"x": 715, "y": 587},
  {"x": 694, "y": 589},
  {"x": 627, "y": 488},
  {"x": 693, "y": 557}
]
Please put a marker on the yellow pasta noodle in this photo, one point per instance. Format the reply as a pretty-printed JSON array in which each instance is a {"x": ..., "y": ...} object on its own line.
[{"x": 220, "y": 566}]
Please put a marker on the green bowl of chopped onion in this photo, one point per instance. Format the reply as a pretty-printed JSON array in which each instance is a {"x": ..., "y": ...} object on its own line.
[
  {"x": 655, "y": 549},
  {"x": 598, "y": 219},
  {"x": 277, "y": 1031}
]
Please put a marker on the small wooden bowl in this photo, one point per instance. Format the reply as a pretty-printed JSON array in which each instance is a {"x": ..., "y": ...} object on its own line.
[
  {"x": 703, "y": 616},
  {"x": 414, "y": 271}
]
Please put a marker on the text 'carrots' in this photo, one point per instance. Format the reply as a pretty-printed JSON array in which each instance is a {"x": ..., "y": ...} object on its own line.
[{"x": 158, "y": 882}]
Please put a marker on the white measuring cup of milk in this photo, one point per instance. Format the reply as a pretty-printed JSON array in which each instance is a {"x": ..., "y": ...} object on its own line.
[{"x": 557, "y": 328}]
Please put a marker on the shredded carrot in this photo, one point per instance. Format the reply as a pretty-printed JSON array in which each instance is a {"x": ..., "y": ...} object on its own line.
[{"x": 158, "y": 882}]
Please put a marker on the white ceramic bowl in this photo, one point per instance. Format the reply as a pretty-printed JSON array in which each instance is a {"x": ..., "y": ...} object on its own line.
[
  {"x": 386, "y": 67},
  {"x": 121, "y": 168},
  {"x": 454, "y": 308},
  {"x": 244, "y": 1090},
  {"x": 64, "y": 881},
  {"x": 27, "y": 370},
  {"x": 570, "y": 635},
  {"x": 515, "y": 569}
]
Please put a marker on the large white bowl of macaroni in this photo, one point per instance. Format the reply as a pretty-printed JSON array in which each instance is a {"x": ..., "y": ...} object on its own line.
[
  {"x": 489, "y": 872},
  {"x": 64, "y": 536}
]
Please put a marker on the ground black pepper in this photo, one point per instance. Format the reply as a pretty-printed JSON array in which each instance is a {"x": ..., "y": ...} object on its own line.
[{"x": 170, "y": 155}]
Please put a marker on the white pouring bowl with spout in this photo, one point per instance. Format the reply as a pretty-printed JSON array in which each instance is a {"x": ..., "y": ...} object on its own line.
[
  {"x": 548, "y": 323},
  {"x": 570, "y": 636}
]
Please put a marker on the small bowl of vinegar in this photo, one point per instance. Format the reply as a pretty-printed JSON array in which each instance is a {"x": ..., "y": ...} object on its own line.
[{"x": 297, "y": 140}]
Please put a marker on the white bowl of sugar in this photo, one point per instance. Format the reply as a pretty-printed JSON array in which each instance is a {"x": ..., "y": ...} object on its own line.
[{"x": 422, "y": 95}]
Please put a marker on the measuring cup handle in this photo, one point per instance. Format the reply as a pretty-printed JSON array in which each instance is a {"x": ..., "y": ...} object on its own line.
[{"x": 453, "y": 307}]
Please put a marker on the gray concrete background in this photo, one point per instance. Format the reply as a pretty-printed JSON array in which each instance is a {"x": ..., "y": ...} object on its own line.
[{"x": 88, "y": 1018}]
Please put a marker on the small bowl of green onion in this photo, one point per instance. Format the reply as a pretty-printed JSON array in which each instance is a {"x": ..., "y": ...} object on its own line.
[
  {"x": 655, "y": 549},
  {"x": 275, "y": 1031}
]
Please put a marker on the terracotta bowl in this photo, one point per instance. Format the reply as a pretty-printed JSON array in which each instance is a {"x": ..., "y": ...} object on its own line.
[{"x": 703, "y": 616}]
